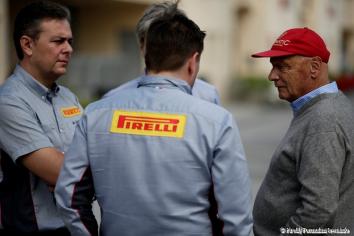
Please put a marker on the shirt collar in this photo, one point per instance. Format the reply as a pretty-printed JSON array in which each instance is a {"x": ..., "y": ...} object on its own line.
[
  {"x": 33, "y": 84},
  {"x": 161, "y": 82},
  {"x": 301, "y": 101}
]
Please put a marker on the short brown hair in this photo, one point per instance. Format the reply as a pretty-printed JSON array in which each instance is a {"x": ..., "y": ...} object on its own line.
[
  {"x": 170, "y": 41},
  {"x": 28, "y": 20}
]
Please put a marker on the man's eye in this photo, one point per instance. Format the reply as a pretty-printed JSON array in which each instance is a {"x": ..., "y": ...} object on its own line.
[
  {"x": 58, "y": 41},
  {"x": 283, "y": 68}
]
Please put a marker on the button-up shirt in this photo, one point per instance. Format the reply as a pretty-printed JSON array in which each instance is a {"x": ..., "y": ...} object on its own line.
[
  {"x": 31, "y": 117},
  {"x": 154, "y": 156}
]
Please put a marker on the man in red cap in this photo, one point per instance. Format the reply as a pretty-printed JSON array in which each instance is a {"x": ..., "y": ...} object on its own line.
[{"x": 309, "y": 187}]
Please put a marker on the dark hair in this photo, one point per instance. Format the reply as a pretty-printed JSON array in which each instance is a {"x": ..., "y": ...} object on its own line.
[
  {"x": 29, "y": 18},
  {"x": 170, "y": 40}
]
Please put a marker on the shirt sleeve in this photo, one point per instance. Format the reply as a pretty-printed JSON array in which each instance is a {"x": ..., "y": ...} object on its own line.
[
  {"x": 20, "y": 130},
  {"x": 319, "y": 173},
  {"x": 74, "y": 190},
  {"x": 232, "y": 183}
]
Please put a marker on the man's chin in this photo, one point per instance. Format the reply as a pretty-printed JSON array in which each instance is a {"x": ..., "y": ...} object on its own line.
[
  {"x": 283, "y": 97},
  {"x": 60, "y": 71}
]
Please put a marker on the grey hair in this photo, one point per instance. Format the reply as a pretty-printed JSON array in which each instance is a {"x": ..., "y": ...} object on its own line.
[{"x": 152, "y": 13}]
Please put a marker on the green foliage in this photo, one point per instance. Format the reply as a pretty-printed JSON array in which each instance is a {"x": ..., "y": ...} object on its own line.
[{"x": 250, "y": 88}]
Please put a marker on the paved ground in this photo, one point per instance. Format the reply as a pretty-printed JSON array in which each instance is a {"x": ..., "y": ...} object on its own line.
[{"x": 261, "y": 128}]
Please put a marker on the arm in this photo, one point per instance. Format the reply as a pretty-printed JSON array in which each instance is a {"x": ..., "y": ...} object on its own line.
[
  {"x": 74, "y": 191},
  {"x": 45, "y": 163},
  {"x": 231, "y": 182},
  {"x": 23, "y": 139},
  {"x": 319, "y": 173}
]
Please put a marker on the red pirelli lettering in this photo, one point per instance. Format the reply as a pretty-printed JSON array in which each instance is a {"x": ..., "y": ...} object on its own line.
[
  {"x": 71, "y": 111},
  {"x": 147, "y": 123}
]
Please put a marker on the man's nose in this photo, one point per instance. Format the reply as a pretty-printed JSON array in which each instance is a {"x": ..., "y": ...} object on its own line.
[
  {"x": 68, "y": 48},
  {"x": 273, "y": 75}
]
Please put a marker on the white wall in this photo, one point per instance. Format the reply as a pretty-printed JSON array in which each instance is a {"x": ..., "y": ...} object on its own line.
[{"x": 215, "y": 18}]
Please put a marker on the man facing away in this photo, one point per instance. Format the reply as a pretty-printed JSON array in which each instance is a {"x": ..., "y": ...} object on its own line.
[
  {"x": 37, "y": 121},
  {"x": 200, "y": 89},
  {"x": 152, "y": 154},
  {"x": 310, "y": 181}
]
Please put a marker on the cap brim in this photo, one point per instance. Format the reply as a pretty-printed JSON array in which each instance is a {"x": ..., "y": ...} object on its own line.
[{"x": 272, "y": 53}]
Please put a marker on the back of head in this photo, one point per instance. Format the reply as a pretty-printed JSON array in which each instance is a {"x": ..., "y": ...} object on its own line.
[
  {"x": 170, "y": 40},
  {"x": 152, "y": 13},
  {"x": 29, "y": 18}
]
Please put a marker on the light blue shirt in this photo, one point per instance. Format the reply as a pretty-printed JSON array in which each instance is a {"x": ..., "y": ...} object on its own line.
[
  {"x": 201, "y": 89},
  {"x": 301, "y": 101},
  {"x": 155, "y": 154},
  {"x": 32, "y": 117}
]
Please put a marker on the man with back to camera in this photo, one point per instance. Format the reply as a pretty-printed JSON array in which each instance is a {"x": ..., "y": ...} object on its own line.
[
  {"x": 37, "y": 121},
  {"x": 309, "y": 184},
  {"x": 151, "y": 154},
  {"x": 200, "y": 89}
]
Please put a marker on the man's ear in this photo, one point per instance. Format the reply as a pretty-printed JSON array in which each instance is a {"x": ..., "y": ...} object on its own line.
[
  {"x": 26, "y": 43},
  {"x": 315, "y": 67},
  {"x": 193, "y": 64}
]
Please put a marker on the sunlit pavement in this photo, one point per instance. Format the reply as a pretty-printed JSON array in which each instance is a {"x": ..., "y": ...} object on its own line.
[{"x": 262, "y": 126}]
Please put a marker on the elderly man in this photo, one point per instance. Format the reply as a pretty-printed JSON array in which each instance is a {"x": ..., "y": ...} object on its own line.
[{"x": 309, "y": 184}]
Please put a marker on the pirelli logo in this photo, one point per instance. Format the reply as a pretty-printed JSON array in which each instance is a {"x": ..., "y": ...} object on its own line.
[
  {"x": 70, "y": 111},
  {"x": 149, "y": 124}
]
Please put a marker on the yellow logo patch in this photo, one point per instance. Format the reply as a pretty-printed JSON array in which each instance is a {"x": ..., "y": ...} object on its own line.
[
  {"x": 150, "y": 124},
  {"x": 70, "y": 111}
]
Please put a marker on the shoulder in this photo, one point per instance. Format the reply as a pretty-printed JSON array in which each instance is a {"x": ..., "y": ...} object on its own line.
[
  {"x": 12, "y": 91},
  {"x": 199, "y": 83},
  {"x": 207, "y": 110},
  {"x": 328, "y": 111},
  {"x": 331, "y": 105},
  {"x": 130, "y": 84},
  {"x": 205, "y": 91},
  {"x": 10, "y": 86}
]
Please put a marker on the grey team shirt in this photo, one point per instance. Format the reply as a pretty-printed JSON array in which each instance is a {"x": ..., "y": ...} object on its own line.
[
  {"x": 155, "y": 152},
  {"x": 33, "y": 117}
]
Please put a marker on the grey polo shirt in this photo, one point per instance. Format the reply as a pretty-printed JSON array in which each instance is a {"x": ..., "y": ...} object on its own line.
[{"x": 31, "y": 117}]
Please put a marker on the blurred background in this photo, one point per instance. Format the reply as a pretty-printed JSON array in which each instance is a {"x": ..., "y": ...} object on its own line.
[{"x": 106, "y": 54}]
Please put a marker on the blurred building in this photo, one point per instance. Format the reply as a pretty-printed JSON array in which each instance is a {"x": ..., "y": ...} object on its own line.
[{"x": 106, "y": 52}]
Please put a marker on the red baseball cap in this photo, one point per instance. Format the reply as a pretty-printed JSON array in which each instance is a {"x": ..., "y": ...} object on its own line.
[{"x": 298, "y": 41}]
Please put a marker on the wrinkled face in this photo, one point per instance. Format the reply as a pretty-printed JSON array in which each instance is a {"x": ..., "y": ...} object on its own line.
[
  {"x": 52, "y": 50},
  {"x": 290, "y": 76}
]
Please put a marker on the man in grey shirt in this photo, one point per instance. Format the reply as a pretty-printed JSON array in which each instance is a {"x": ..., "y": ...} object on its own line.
[
  {"x": 309, "y": 186},
  {"x": 37, "y": 121}
]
